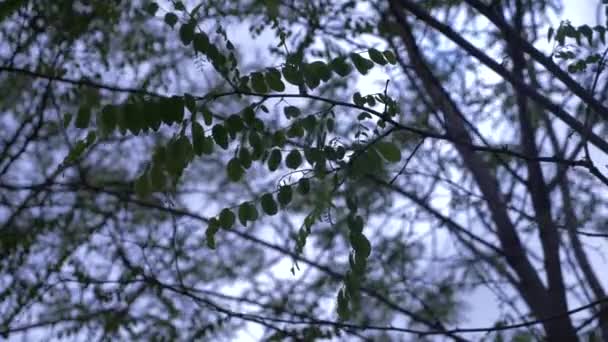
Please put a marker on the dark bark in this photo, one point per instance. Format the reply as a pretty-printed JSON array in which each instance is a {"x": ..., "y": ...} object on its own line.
[
  {"x": 530, "y": 286},
  {"x": 539, "y": 193}
]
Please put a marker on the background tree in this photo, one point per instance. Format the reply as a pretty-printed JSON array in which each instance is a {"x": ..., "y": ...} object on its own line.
[{"x": 301, "y": 170}]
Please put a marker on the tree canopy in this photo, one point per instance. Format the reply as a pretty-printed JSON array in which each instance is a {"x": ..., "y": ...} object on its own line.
[{"x": 302, "y": 170}]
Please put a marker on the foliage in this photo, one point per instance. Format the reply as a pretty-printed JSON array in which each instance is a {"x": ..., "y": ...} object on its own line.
[{"x": 166, "y": 175}]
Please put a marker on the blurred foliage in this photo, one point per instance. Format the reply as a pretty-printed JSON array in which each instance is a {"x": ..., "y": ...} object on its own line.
[{"x": 205, "y": 170}]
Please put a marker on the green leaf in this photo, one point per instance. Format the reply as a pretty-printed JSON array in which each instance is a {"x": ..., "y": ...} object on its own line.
[
  {"x": 275, "y": 159},
  {"x": 373, "y": 159},
  {"x": 292, "y": 75},
  {"x": 304, "y": 186},
  {"x": 207, "y": 116},
  {"x": 528, "y": 337},
  {"x": 272, "y": 8},
  {"x": 186, "y": 147},
  {"x": 331, "y": 124},
  {"x": 341, "y": 67},
  {"x": 352, "y": 282},
  {"x": 363, "y": 65},
  {"x": 175, "y": 164},
  {"x": 216, "y": 57},
  {"x": 171, "y": 19},
  {"x": 157, "y": 177},
  {"x": 212, "y": 228},
  {"x": 390, "y": 57},
  {"x": 273, "y": 78},
  {"x": 360, "y": 244},
  {"x": 293, "y": 159},
  {"x": 208, "y": 146},
  {"x": 358, "y": 99},
  {"x": 179, "y": 6},
  {"x": 257, "y": 145},
  {"x": 234, "y": 124},
  {"x": 258, "y": 83},
  {"x": 91, "y": 138},
  {"x": 602, "y": 31},
  {"x": 220, "y": 135},
  {"x": 371, "y": 101},
  {"x": 242, "y": 214},
  {"x": 152, "y": 114},
  {"x": 291, "y": 112},
  {"x": 355, "y": 223},
  {"x": 235, "y": 170},
  {"x": 279, "y": 139},
  {"x": 340, "y": 152},
  {"x": 586, "y": 31},
  {"x": 367, "y": 162},
  {"x": 181, "y": 152},
  {"x": 258, "y": 125},
  {"x": 248, "y": 114},
  {"x": 285, "y": 195},
  {"x": 364, "y": 115},
  {"x": 311, "y": 77},
  {"x": 190, "y": 103},
  {"x": 377, "y": 57},
  {"x": 247, "y": 212},
  {"x": 296, "y": 130},
  {"x": 186, "y": 33},
  {"x": 131, "y": 118},
  {"x": 332, "y": 153},
  {"x": 252, "y": 212},
  {"x": 142, "y": 186},
  {"x": 83, "y": 117},
  {"x": 309, "y": 123},
  {"x": 109, "y": 118},
  {"x": 353, "y": 206},
  {"x": 210, "y": 240},
  {"x": 67, "y": 119},
  {"x": 389, "y": 151},
  {"x": 172, "y": 109},
  {"x": 200, "y": 41},
  {"x": 226, "y": 218},
  {"x": 560, "y": 35},
  {"x": 320, "y": 69},
  {"x": 268, "y": 204},
  {"x": 357, "y": 263},
  {"x": 313, "y": 155},
  {"x": 159, "y": 156},
  {"x": 245, "y": 157},
  {"x": 342, "y": 305},
  {"x": 151, "y": 8},
  {"x": 198, "y": 138},
  {"x": 75, "y": 152}
]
